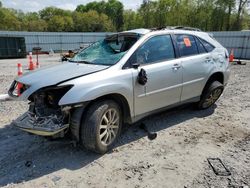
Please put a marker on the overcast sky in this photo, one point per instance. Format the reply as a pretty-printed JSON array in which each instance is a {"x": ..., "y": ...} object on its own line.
[{"x": 35, "y": 5}]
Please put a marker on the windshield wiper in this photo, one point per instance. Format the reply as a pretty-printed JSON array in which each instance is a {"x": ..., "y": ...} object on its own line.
[{"x": 85, "y": 62}]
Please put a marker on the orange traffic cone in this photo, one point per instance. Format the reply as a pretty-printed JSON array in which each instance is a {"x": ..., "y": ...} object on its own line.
[
  {"x": 231, "y": 56},
  {"x": 31, "y": 65},
  {"x": 19, "y": 73}
]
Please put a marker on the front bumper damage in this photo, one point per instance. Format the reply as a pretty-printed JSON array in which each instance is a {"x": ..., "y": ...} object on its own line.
[
  {"x": 43, "y": 126},
  {"x": 44, "y": 117}
]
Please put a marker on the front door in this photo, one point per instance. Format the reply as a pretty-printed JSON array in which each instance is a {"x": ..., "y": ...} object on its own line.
[{"x": 164, "y": 72}]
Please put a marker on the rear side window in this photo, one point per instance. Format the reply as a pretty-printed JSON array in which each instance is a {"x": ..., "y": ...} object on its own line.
[
  {"x": 209, "y": 47},
  {"x": 187, "y": 45},
  {"x": 200, "y": 46}
]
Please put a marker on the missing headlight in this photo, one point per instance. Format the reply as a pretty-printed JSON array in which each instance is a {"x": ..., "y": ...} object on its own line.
[
  {"x": 46, "y": 100},
  {"x": 44, "y": 103},
  {"x": 17, "y": 88}
]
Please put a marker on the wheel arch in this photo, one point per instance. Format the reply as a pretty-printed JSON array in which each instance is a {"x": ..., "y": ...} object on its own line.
[
  {"x": 78, "y": 113},
  {"x": 217, "y": 76},
  {"x": 121, "y": 101}
]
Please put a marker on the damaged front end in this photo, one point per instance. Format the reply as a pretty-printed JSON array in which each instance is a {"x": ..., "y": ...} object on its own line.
[{"x": 45, "y": 117}]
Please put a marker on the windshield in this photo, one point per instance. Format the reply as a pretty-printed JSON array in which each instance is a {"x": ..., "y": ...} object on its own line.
[{"x": 106, "y": 52}]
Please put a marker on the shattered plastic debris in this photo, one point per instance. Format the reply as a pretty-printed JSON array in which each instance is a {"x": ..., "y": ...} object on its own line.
[{"x": 31, "y": 121}]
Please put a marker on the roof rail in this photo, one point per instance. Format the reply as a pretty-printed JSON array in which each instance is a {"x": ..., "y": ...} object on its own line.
[
  {"x": 176, "y": 27},
  {"x": 186, "y": 28}
]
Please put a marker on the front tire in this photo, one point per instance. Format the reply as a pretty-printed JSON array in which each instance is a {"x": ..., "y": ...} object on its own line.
[
  {"x": 101, "y": 126},
  {"x": 210, "y": 95}
]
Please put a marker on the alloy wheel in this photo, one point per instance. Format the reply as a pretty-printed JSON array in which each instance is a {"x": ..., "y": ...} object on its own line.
[
  {"x": 109, "y": 126},
  {"x": 212, "y": 98}
]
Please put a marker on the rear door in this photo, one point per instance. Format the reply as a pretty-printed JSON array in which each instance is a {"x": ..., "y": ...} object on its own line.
[{"x": 196, "y": 65}]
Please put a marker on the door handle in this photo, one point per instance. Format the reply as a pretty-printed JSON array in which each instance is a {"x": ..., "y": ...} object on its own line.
[{"x": 176, "y": 66}]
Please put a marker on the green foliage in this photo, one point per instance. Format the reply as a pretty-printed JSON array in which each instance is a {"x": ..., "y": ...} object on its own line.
[
  {"x": 56, "y": 23},
  {"x": 132, "y": 20},
  {"x": 112, "y": 8},
  {"x": 31, "y": 22},
  {"x": 208, "y": 15},
  {"x": 109, "y": 15},
  {"x": 9, "y": 20},
  {"x": 49, "y": 12},
  {"x": 97, "y": 6},
  {"x": 92, "y": 21}
]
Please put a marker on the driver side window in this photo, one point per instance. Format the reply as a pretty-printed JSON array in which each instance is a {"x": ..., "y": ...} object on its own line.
[{"x": 156, "y": 49}]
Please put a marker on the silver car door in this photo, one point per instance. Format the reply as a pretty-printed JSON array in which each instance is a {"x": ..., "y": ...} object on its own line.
[
  {"x": 196, "y": 63},
  {"x": 164, "y": 73}
]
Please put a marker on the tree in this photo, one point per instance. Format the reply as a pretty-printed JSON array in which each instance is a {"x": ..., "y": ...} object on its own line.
[
  {"x": 78, "y": 19},
  {"x": 146, "y": 11},
  {"x": 68, "y": 23},
  {"x": 36, "y": 25},
  {"x": 97, "y": 6},
  {"x": 32, "y": 22},
  {"x": 92, "y": 21},
  {"x": 49, "y": 12},
  {"x": 109, "y": 15},
  {"x": 230, "y": 5},
  {"x": 241, "y": 6},
  {"x": 132, "y": 20},
  {"x": 200, "y": 14},
  {"x": 246, "y": 21},
  {"x": 8, "y": 20},
  {"x": 113, "y": 9},
  {"x": 56, "y": 23}
]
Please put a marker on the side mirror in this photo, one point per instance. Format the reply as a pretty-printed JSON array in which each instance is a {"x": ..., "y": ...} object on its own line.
[
  {"x": 142, "y": 77},
  {"x": 135, "y": 65}
]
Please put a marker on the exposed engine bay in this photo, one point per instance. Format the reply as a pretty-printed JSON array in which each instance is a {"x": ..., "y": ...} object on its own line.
[{"x": 45, "y": 117}]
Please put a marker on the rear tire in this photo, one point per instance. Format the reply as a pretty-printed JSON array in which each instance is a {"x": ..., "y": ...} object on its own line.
[
  {"x": 210, "y": 95},
  {"x": 101, "y": 126}
]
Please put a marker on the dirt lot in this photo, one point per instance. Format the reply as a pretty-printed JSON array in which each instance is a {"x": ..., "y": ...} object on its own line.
[{"x": 176, "y": 158}]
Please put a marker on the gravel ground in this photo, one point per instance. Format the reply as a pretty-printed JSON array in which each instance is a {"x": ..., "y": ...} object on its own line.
[{"x": 176, "y": 158}]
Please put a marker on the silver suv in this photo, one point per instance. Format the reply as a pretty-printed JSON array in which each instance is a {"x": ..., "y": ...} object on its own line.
[{"x": 122, "y": 79}]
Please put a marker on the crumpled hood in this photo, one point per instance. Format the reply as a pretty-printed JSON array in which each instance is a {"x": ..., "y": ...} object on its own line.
[{"x": 56, "y": 74}]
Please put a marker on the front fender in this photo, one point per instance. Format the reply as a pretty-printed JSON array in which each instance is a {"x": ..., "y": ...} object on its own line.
[
  {"x": 96, "y": 85},
  {"x": 78, "y": 94}
]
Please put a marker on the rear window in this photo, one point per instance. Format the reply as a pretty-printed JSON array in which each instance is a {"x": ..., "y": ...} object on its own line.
[
  {"x": 187, "y": 45},
  {"x": 209, "y": 47}
]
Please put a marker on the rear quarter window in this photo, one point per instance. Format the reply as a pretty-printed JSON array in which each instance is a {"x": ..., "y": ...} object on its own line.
[
  {"x": 209, "y": 47},
  {"x": 200, "y": 46}
]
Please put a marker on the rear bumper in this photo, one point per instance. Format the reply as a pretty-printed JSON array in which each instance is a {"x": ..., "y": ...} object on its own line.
[{"x": 43, "y": 126}]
